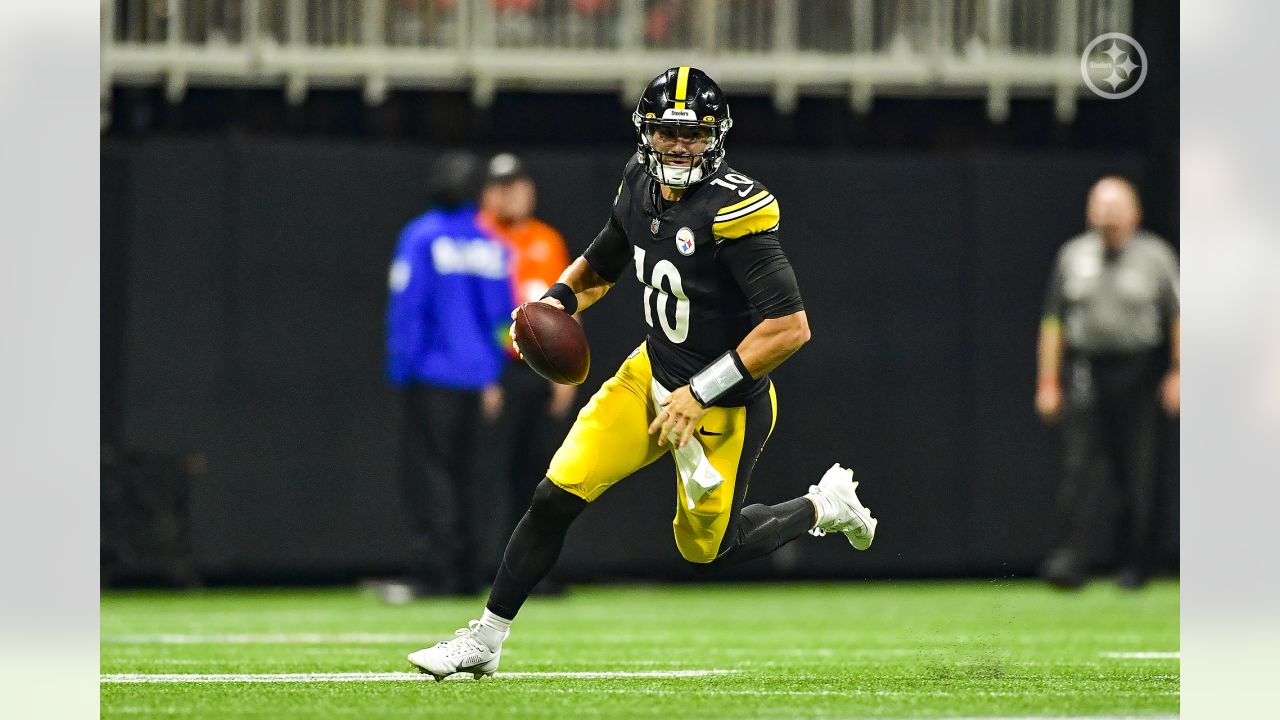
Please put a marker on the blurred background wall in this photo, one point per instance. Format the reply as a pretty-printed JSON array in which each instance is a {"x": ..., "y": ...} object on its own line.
[{"x": 248, "y": 218}]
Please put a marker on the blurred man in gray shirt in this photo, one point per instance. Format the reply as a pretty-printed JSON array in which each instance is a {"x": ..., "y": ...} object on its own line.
[{"x": 1112, "y": 303}]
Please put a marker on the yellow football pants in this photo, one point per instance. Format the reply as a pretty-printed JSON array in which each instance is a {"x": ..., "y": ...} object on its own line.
[{"x": 610, "y": 440}]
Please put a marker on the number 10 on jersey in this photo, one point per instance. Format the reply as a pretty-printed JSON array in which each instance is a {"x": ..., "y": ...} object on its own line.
[{"x": 664, "y": 270}]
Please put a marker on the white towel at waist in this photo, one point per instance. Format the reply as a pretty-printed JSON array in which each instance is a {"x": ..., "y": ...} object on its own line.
[{"x": 697, "y": 474}]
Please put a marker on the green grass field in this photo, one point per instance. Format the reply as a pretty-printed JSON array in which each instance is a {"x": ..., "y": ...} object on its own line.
[{"x": 864, "y": 649}]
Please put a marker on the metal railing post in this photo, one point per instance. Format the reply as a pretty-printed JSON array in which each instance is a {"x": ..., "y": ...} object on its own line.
[
  {"x": 998, "y": 24},
  {"x": 465, "y": 28},
  {"x": 1068, "y": 27},
  {"x": 630, "y": 42},
  {"x": 295, "y": 84},
  {"x": 373, "y": 37},
  {"x": 1065, "y": 50},
  {"x": 484, "y": 42},
  {"x": 861, "y": 90},
  {"x": 706, "y": 27},
  {"x": 176, "y": 79},
  {"x": 785, "y": 90},
  {"x": 942, "y": 44},
  {"x": 1123, "y": 17},
  {"x": 630, "y": 26},
  {"x": 251, "y": 35},
  {"x": 107, "y": 43}
]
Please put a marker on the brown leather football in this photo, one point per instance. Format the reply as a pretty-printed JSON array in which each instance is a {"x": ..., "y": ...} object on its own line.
[{"x": 552, "y": 343}]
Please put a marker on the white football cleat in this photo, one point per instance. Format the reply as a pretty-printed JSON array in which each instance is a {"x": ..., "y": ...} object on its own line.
[
  {"x": 838, "y": 493},
  {"x": 466, "y": 653}
]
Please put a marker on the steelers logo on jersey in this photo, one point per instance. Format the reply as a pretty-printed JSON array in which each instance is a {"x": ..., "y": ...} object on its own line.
[{"x": 684, "y": 241}]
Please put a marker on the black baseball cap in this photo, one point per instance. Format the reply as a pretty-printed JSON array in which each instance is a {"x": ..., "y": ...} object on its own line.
[{"x": 504, "y": 168}]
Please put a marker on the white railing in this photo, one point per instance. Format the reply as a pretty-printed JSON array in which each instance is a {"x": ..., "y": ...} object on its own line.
[{"x": 858, "y": 48}]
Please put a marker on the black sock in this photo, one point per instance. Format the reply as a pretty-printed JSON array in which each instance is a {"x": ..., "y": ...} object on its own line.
[
  {"x": 533, "y": 548},
  {"x": 761, "y": 529}
]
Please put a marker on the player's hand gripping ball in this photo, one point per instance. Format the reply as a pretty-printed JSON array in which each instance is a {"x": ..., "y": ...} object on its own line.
[{"x": 551, "y": 342}]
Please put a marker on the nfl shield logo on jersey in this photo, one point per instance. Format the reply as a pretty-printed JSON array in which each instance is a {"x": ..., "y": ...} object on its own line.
[
  {"x": 653, "y": 226},
  {"x": 684, "y": 241}
]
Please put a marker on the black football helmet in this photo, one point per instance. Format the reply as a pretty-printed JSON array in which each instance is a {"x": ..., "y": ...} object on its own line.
[{"x": 682, "y": 97}]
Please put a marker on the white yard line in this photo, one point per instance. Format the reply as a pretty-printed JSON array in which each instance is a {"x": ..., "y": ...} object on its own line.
[
  {"x": 272, "y": 639},
  {"x": 421, "y": 640},
  {"x": 376, "y": 677},
  {"x": 179, "y": 678},
  {"x": 855, "y": 693},
  {"x": 1146, "y": 655}
]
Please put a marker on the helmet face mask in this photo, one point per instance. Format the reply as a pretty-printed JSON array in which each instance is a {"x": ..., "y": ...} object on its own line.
[
  {"x": 680, "y": 154},
  {"x": 681, "y": 122}
]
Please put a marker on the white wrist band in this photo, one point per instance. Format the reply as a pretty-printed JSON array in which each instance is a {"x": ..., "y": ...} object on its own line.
[{"x": 723, "y": 374}]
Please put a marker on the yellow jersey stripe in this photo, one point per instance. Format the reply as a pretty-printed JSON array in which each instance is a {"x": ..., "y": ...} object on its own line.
[
  {"x": 738, "y": 206},
  {"x": 682, "y": 86},
  {"x": 743, "y": 212},
  {"x": 749, "y": 221}
]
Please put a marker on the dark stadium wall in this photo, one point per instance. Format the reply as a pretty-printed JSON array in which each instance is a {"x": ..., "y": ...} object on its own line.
[{"x": 250, "y": 286}]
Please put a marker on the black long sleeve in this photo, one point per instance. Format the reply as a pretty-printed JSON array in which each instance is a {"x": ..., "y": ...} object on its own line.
[
  {"x": 610, "y": 252},
  {"x": 763, "y": 272}
]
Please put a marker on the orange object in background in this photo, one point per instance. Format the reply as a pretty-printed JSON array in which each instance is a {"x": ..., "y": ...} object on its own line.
[
  {"x": 538, "y": 256},
  {"x": 538, "y": 253}
]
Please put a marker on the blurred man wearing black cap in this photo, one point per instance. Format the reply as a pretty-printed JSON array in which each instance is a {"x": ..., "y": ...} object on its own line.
[
  {"x": 535, "y": 412},
  {"x": 450, "y": 296}
]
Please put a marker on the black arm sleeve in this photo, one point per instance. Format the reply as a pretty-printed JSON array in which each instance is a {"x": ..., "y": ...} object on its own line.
[
  {"x": 610, "y": 252},
  {"x": 764, "y": 274}
]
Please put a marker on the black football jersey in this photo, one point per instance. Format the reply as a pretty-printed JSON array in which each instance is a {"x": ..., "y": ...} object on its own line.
[{"x": 710, "y": 266}]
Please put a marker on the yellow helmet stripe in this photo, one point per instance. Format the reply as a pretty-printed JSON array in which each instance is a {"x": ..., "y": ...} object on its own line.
[{"x": 682, "y": 86}]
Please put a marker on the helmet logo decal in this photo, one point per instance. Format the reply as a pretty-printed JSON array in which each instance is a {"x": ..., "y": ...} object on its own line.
[
  {"x": 653, "y": 226},
  {"x": 684, "y": 241}
]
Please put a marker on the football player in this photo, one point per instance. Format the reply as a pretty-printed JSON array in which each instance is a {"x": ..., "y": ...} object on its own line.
[{"x": 723, "y": 310}]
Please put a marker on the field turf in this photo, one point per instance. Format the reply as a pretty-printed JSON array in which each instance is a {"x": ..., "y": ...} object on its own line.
[{"x": 858, "y": 649}]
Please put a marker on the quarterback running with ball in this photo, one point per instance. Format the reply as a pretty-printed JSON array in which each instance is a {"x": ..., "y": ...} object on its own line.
[{"x": 723, "y": 310}]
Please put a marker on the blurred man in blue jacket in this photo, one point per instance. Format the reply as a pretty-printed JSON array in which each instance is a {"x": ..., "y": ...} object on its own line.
[{"x": 450, "y": 305}]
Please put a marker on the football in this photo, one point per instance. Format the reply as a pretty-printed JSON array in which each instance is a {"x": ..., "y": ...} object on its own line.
[{"x": 552, "y": 343}]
